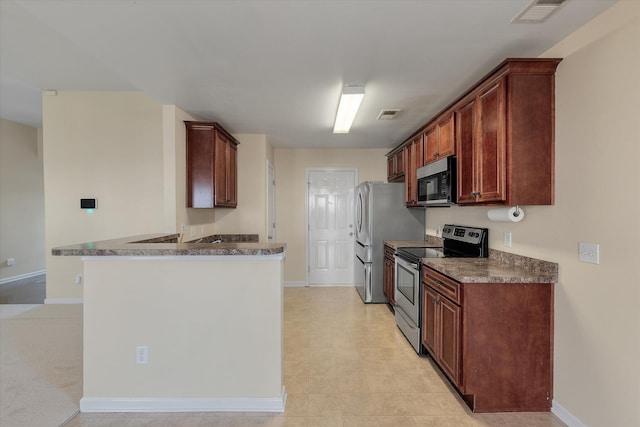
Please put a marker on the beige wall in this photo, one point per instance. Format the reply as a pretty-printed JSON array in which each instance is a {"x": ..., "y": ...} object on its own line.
[
  {"x": 130, "y": 153},
  {"x": 21, "y": 200},
  {"x": 597, "y": 307},
  {"x": 291, "y": 187},
  {"x": 107, "y": 145},
  {"x": 250, "y": 215}
]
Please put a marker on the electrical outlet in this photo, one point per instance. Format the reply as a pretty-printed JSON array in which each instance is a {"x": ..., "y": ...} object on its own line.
[
  {"x": 506, "y": 239},
  {"x": 142, "y": 355},
  {"x": 11, "y": 261},
  {"x": 589, "y": 252},
  {"x": 78, "y": 279},
  {"x": 193, "y": 231},
  {"x": 183, "y": 228}
]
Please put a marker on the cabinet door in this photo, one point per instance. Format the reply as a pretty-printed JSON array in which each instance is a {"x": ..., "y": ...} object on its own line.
[
  {"x": 490, "y": 145},
  {"x": 449, "y": 339},
  {"x": 232, "y": 178},
  {"x": 430, "y": 145},
  {"x": 399, "y": 163},
  {"x": 465, "y": 126},
  {"x": 222, "y": 171},
  {"x": 446, "y": 140},
  {"x": 200, "y": 166},
  {"x": 413, "y": 160},
  {"x": 225, "y": 172},
  {"x": 391, "y": 174},
  {"x": 429, "y": 322}
]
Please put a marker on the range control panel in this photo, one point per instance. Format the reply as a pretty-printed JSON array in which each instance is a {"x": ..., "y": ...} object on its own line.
[{"x": 463, "y": 233}]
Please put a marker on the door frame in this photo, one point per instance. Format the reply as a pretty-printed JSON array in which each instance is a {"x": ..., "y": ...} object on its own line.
[{"x": 309, "y": 171}]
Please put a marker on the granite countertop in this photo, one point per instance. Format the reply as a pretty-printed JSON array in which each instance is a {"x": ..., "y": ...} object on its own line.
[
  {"x": 166, "y": 245},
  {"x": 499, "y": 267}
]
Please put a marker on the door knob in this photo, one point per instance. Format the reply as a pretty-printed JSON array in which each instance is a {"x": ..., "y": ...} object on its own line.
[{"x": 351, "y": 234}]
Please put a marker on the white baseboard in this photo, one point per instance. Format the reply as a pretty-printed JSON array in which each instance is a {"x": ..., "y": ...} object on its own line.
[
  {"x": 63, "y": 301},
  {"x": 565, "y": 416},
  {"x": 303, "y": 284},
  {"x": 294, "y": 284},
  {"x": 21, "y": 276},
  {"x": 267, "y": 404}
]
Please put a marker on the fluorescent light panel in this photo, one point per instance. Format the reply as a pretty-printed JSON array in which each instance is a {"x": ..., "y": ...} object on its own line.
[{"x": 348, "y": 108}]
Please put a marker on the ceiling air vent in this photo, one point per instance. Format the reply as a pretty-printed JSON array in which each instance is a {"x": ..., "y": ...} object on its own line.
[
  {"x": 388, "y": 114},
  {"x": 538, "y": 11}
]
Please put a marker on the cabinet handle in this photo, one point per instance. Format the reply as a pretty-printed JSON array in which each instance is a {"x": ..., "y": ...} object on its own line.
[{"x": 435, "y": 155}]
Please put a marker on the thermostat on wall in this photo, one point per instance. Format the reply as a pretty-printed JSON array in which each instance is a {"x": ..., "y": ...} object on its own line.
[{"x": 88, "y": 203}]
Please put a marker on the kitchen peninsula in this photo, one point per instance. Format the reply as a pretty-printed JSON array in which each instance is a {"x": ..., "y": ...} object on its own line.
[{"x": 171, "y": 327}]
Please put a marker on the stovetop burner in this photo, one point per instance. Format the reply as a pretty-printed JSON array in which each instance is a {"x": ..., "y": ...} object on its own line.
[{"x": 459, "y": 242}]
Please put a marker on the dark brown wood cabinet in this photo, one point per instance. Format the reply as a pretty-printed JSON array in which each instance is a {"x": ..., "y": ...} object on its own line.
[
  {"x": 505, "y": 136},
  {"x": 441, "y": 324},
  {"x": 502, "y": 131},
  {"x": 494, "y": 341},
  {"x": 389, "y": 275},
  {"x": 412, "y": 161},
  {"x": 212, "y": 164},
  {"x": 439, "y": 138},
  {"x": 395, "y": 165}
]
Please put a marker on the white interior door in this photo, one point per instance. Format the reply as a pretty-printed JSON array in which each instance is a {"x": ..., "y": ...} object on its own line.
[{"x": 330, "y": 224}]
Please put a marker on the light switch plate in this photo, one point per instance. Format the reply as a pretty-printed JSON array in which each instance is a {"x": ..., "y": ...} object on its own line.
[
  {"x": 506, "y": 241},
  {"x": 589, "y": 252}
]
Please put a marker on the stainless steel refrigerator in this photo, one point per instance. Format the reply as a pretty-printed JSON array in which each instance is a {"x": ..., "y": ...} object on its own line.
[{"x": 380, "y": 215}]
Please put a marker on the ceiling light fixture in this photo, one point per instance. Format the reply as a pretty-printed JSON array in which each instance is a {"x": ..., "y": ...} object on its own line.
[{"x": 348, "y": 107}]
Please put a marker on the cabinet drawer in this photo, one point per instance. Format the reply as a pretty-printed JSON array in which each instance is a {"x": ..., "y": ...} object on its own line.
[{"x": 447, "y": 287}]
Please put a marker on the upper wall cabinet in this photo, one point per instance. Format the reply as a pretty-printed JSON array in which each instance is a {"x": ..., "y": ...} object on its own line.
[
  {"x": 505, "y": 136},
  {"x": 502, "y": 132},
  {"x": 439, "y": 139},
  {"x": 211, "y": 166},
  {"x": 395, "y": 165},
  {"x": 412, "y": 162}
]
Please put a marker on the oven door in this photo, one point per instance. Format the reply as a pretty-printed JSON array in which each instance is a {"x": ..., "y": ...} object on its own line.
[{"x": 407, "y": 294}]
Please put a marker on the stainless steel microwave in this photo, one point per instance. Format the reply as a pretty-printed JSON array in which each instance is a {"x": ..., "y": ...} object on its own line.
[{"x": 437, "y": 183}]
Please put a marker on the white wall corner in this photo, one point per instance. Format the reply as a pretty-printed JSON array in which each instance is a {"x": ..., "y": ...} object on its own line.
[
  {"x": 169, "y": 166},
  {"x": 565, "y": 416}
]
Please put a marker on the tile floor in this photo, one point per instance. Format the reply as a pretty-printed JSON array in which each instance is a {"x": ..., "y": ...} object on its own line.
[{"x": 346, "y": 364}]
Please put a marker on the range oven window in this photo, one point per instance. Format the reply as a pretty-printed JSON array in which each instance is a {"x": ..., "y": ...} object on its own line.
[{"x": 406, "y": 282}]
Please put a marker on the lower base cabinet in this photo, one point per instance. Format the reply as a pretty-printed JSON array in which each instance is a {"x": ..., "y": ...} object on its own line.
[{"x": 493, "y": 341}]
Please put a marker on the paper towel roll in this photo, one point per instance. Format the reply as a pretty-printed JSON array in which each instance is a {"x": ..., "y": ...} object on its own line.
[{"x": 506, "y": 214}]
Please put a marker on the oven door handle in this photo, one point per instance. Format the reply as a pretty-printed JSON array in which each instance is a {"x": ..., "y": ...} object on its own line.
[{"x": 405, "y": 263}]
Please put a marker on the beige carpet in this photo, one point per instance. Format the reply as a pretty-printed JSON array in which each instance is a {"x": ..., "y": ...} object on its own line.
[{"x": 40, "y": 364}]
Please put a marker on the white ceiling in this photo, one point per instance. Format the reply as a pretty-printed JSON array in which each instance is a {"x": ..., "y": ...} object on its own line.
[{"x": 272, "y": 67}]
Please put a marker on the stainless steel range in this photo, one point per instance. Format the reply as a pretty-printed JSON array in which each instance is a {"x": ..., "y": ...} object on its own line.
[{"x": 458, "y": 242}]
